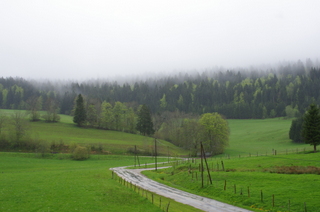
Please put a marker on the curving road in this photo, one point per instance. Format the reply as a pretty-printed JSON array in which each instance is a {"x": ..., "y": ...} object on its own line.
[{"x": 135, "y": 177}]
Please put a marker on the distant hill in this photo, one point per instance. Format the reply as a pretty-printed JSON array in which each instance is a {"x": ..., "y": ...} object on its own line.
[{"x": 247, "y": 93}]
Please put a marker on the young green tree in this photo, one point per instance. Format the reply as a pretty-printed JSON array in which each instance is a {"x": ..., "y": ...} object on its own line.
[
  {"x": 130, "y": 121},
  {"x": 191, "y": 136},
  {"x": 92, "y": 115},
  {"x": 144, "y": 124},
  {"x": 3, "y": 119},
  {"x": 106, "y": 115},
  {"x": 118, "y": 112},
  {"x": 80, "y": 112},
  {"x": 20, "y": 128},
  {"x": 215, "y": 132},
  {"x": 52, "y": 108},
  {"x": 34, "y": 105},
  {"x": 311, "y": 127}
]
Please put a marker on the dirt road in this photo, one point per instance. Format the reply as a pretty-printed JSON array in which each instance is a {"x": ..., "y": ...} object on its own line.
[{"x": 135, "y": 177}]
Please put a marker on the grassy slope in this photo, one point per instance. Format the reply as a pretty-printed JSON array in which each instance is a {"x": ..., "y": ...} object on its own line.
[
  {"x": 113, "y": 141},
  {"x": 260, "y": 136}
]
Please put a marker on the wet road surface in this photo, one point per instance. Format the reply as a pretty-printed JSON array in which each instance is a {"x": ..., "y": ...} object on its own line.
[{"x": 135, "y": 177}]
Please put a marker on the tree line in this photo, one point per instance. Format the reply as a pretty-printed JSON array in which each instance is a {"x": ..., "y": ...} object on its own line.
[
  {"x": 183, "y": 130},
  {"x": 285, "y": 91}
]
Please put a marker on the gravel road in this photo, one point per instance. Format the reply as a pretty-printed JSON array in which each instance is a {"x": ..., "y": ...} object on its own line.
[{"x": 135, "y": 177}]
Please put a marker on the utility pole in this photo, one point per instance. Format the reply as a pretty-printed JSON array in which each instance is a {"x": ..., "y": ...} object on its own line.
[{"x": 155, "y": 153}]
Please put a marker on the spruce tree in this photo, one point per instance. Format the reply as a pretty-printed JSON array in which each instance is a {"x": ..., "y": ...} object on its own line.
[
  {"x": 311, "y": 127},
  {"x": 80, "y": 112},
  {"x": 295, "y": 130},
  {"x": 144, "y": 124}
]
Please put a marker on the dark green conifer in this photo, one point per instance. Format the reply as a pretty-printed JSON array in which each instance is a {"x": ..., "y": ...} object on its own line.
[
  {"x": 80, "y": 112},
  {"x": 311, "y": 127},
  {"x": 144, "y": 124}
]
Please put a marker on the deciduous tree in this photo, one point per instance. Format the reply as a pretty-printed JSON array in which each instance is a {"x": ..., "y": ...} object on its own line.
[
  {"x": 34, "y": 105},
  {"x": 107, "y": 116},
  {"x": 215, "y": 132},
  {"x": 52, "y": 108},
  {"x": 20, "y": 128}
]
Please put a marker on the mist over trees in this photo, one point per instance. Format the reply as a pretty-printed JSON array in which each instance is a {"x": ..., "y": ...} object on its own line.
[
  {"x": 175, "y": 102},
  {"x": 247, "y": 93}
]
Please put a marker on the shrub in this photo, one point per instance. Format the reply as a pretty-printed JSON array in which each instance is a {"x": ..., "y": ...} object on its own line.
[
  {"x": 72, "y": 147},
  {"x": 42, "y": 147},
  {"x": 80, "y": 153},
  {"x": 295, "y": 170}
]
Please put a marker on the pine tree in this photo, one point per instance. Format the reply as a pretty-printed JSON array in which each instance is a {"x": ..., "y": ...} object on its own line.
[
  {"x": 295, "y": 130},
  {"x": 80, "y": 112},
  {"x": 311, "y": 127},
  {"x": 144, "y": 124}
]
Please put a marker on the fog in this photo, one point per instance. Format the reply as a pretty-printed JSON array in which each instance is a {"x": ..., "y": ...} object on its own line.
[{"x": 66, "y": 39}]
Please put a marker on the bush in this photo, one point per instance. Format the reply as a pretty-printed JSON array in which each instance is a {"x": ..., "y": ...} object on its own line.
[
  {"x": 80, "y": 153},
  {"x": 72, "y": 147},
  {"x": 42, "y": 147}
]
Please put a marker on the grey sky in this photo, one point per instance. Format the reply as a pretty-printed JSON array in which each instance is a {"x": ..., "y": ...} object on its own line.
[{"x": 64, "y": 39}]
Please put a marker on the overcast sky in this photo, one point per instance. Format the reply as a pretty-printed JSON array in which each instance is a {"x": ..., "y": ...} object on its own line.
[{"x": 64, "y": 39}]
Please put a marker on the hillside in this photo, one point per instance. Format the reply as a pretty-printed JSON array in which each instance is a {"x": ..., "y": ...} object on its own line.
[
  {"x": 112, "y": 142},
  {"x": 280, "y": 91}
]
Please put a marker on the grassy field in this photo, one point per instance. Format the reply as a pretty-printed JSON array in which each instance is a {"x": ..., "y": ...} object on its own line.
[
  {"x": 65, "y": 185},
  {"x": 244, "y": 179},
  {"x": 113, "y": 142},
  {"x": 261, "y": 136},
  {"x": 28, "y": 184}
]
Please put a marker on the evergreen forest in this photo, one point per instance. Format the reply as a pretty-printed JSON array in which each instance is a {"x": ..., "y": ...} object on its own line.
[{"x": 236, "y": 94}]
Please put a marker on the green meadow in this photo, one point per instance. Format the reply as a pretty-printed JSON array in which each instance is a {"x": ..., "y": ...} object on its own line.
[
  {"x": 261, "y": 136},
  {"x": 56, "y": 183},
  {"x": 113, "y": 142},
  {"x": 29, "y": 183},
  {"x": 260, "y": 183}
]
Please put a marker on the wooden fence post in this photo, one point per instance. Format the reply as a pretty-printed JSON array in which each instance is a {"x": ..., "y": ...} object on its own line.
[
  {"x": 272, "y": 200},
  {"x": 168, "y": 207},
  {"x": 222, "y": 165},
  {"x": 305, "y": 207}
]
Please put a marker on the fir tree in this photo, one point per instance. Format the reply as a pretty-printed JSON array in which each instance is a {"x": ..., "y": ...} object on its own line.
[
  {"x": 80, "y": 112},
  {"x": 144, "y": 124},
  {"x": 311, "y": 127}
]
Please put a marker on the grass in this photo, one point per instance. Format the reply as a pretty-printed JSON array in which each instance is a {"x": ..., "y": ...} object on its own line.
[
  {"x": 113, "y": 142},
  {"x": 64, "y": 185},
  {"x": 256, "y": 175},
  {"x": 261, "y": 136},
  {"x": 28, "y": 183}
]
